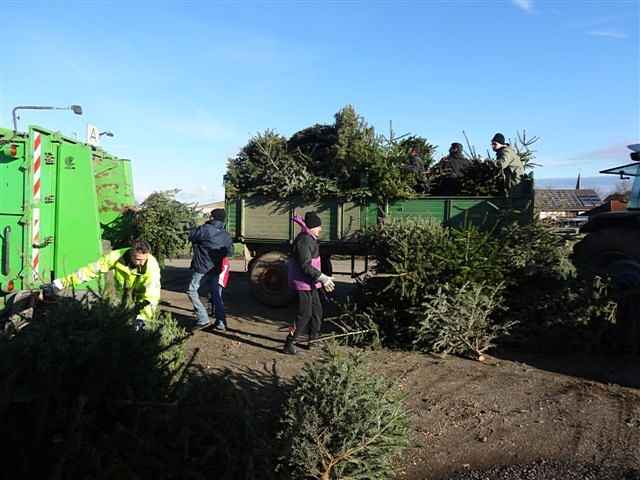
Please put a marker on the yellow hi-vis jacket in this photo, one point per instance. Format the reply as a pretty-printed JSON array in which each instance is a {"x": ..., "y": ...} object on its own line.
[{"x": 144, "y": 286}]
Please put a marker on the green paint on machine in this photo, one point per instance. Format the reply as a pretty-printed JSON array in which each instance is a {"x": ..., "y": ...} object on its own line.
[{"x": 58, "y": 196}]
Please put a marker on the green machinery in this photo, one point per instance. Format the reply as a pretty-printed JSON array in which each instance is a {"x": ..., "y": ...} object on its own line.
[
  {"x": 264, "y": 226},
  {"x": 59, "y": 199},
  {"x": 611, "y": 247}
]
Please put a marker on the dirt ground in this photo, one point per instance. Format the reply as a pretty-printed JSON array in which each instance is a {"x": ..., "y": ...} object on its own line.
[{"x": 467, "y": 415}]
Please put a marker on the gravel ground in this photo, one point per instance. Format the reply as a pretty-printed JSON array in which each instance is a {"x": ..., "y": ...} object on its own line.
[{"x": 550, "y": 470}]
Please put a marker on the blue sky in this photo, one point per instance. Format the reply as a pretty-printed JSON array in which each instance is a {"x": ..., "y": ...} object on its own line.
[{"x": 184, "y": 84}]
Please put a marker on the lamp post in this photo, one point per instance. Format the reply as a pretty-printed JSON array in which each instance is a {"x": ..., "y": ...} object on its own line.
[{"x": 77, "y": 109}]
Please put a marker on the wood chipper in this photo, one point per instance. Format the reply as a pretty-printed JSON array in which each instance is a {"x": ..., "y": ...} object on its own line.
[
  {"x": 611, "y": 248},
  {"x": 59, "y": 200}
]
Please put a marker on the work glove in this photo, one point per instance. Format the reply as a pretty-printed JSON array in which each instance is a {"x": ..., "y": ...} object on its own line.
[
  {"x": 139, "y": 324},
  {"x": 327, "y": 282},
  {"x": 139, "y": 306},
  {"x": 53, "y": 289}
]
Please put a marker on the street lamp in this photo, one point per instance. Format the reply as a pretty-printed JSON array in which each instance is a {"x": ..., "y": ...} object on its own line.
[
  {"x": 107, "y": 133},
  {"x": 77, "y": 109}
]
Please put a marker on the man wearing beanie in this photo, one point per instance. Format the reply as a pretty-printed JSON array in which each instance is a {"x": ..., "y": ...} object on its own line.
[
  {"x": 211, "y": 243},
  {"x": 508, "y": 160},
  {"x": 306, "y": 278},
  {"x": 506, "y": 155}
]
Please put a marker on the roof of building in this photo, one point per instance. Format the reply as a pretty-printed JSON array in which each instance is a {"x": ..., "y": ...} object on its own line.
[
  {"x": 559, "y": 199},
  {"x": 207, "y": 207}
]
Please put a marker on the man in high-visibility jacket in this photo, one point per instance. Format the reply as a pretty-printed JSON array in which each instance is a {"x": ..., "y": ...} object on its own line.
[{"x": 135, "y": 271}]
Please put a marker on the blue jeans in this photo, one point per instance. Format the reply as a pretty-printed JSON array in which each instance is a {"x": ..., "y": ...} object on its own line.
[
  {"x": 201, "y": 313},
  {"x": 217, "y": 304},
  {"x": 202, "y": 317}
]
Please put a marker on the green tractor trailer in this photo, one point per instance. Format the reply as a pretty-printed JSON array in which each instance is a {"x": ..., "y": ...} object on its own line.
[
  {"x": 264, "y": 225},
  {"x": 59, "y": 200}
]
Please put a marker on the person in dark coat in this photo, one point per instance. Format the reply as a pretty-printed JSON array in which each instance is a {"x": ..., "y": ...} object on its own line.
[
  {"x": 306, "y": 277},
  {"x": 211, "y": 243},
  {"x": 416, "y": 166},
  {"x": 415, "y": 163},
  {"x": 455, "y": 163}
]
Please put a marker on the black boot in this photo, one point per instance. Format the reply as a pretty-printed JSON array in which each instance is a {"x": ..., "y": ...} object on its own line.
[
  {"x": 290, "y": 346},
  {"x": 313, "y": 343}
]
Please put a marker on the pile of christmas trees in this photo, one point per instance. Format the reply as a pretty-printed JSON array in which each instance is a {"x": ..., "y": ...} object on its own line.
[{"x": 349, "y": 160}]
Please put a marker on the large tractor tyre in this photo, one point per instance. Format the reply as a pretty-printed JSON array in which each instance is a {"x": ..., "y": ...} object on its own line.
[
  {"x": 599, "y": 251},
  {"x": 625, "y": 275},
  {"x": 615, "y": 252},
  {"x": 269, "y": 279}
]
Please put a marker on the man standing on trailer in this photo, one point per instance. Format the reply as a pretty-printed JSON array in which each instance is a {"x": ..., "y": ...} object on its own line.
[
  {"x": 455, "y": 163},
  {"x": 306, "y": 278},
  {"x": 508, "y": 160},
  {"x": 415, "y": 165},
  {"x": 211, "y": 243}
]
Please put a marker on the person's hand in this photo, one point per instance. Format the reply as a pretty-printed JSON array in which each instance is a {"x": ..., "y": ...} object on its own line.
[
  {"x": 51, "y": 290},
  {"x": 47, "y": 291},
  {"x": 139, "y": 324},
  {"x": 327, "y": 283}
]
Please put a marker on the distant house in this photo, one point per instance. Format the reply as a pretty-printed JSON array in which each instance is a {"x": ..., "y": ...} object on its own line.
[
  {"x": 619, "y": 197},
  {"x": 206, "y": 208},
  {"x": 613, "y": 203},
  {"x": 562, "y": 205}
]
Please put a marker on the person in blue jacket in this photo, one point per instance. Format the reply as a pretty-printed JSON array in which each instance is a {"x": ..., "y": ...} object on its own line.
[{"x": 211, "y": 243}]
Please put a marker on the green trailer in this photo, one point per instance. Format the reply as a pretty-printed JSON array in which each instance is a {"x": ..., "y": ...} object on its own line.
[
  {"x": 264, "y": 225},
  {"x": 114, "y": 190},
  {"x": 58, "y": 197}
]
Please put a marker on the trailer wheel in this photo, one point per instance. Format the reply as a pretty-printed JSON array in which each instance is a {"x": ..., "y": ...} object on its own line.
[{"x": 269, "y": 279}]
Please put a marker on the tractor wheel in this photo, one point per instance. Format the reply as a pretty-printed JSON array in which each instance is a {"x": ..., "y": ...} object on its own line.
[
  {"x": 600, "y": 250},
  {"x": 269, "y": 279},
  {"x": 615, "y": 252}
]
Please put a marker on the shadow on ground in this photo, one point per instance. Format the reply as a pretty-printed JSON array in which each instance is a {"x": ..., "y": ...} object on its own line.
[
  {"x": 617, "y": 369},
  {"x": 224, "y": 424},
  {"x": 240, "y": 303}
]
